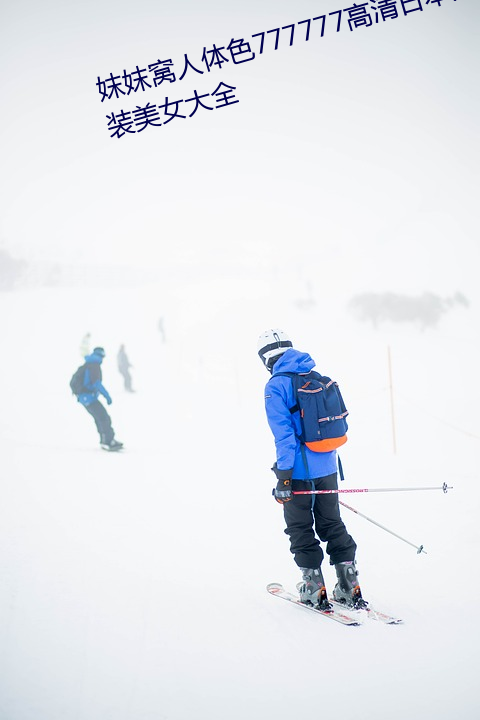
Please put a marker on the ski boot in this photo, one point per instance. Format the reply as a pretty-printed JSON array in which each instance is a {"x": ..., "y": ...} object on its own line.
[
  {"x": 312, "y": 589},
  {"x": 347, "y": 590}
]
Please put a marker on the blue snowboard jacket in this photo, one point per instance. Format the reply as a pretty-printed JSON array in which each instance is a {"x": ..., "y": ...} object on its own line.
[
  {"x": 93, "y": 381},
  {"x": 286, "y": 427}
]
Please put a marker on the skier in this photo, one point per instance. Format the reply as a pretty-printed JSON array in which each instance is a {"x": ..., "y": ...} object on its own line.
[
  {"x": 85, "y": 345},
  {"x": 88, "y": 397},
  {"x": 308, "y": 518},
  {"x": 123, "y": 364}
]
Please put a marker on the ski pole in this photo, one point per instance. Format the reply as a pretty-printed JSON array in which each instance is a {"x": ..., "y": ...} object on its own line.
[
  {"x": 418, "y": 548},
  {"x": 443, "y": 487}
]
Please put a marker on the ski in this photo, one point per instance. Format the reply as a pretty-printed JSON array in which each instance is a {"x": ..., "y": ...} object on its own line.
[
  {"x": 371, "y": 613},
  {"x": 336, "y": 613}
]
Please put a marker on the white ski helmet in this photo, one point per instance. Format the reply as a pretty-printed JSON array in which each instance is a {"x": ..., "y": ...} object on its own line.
[{"x": 271, "y": 344}]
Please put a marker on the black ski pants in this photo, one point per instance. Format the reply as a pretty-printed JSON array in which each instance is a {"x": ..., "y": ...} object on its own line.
[
  {"x": 310, "y": 517},
  {"x": 102, "y": 421}
]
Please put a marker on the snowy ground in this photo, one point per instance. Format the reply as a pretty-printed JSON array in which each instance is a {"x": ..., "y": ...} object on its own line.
[{"x": 116, "y": 569}]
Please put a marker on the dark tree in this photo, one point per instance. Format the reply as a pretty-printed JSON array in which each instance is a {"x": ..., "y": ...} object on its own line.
[{"x": 426, "y": 309}]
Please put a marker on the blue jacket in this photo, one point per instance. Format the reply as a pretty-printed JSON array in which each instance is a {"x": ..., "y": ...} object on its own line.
[
  {"x": 93, "y": 381},
  {"x": 285, "y": 426}
]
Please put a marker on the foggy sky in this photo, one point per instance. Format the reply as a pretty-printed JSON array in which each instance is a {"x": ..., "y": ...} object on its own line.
[{"x": 360, "y": 146}]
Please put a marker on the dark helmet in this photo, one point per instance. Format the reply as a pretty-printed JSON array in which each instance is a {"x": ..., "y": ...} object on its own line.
[{"x": 99, "y": 351}]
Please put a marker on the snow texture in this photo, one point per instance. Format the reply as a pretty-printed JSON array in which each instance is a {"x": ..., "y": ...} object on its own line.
[{"x": 133, "y": 584}]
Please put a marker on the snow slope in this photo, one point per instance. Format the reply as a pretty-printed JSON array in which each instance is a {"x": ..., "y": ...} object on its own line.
[{"x": 133, "y": 585}]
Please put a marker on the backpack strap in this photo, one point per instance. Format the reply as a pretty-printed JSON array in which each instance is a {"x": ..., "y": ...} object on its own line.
[
  {"x": 304, "y": 458},
  {"x": 293, "y": 377}
]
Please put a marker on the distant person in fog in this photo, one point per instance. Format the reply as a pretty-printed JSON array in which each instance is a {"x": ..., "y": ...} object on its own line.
[
  {"x": 85, "y": 345},
  {"x": 161, "y": 329},
  {"x": 124, "y": 368}
]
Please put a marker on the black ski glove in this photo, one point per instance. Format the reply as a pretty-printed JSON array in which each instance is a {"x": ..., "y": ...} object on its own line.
[{"x": 283, "y": 492}]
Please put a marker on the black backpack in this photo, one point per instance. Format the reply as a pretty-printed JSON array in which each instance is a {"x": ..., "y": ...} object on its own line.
[{"x": 77, "y": 382}]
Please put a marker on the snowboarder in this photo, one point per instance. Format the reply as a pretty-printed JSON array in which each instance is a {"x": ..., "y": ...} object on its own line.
[
  {"x": 308, "y": 518},
  {"x": 123, "y": 364},
  {"x": 88, "y": 397}
]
